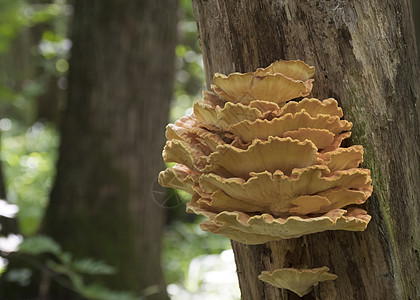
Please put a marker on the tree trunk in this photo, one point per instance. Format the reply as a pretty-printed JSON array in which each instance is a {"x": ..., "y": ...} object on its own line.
[
  {"x": 120, "y": 84},
  {"x": 416, "y": 15},
  {"x": 365, "y": 56}
]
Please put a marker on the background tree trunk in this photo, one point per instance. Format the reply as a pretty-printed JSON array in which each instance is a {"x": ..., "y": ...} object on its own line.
[
  {"x": 120, "y": 84},
  {"x": 365, "y": 57}
]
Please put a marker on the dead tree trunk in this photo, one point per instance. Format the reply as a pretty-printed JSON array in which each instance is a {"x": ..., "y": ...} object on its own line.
[
  {"x": 365, "y": 56},
  {"x": 416, "y": 15}
]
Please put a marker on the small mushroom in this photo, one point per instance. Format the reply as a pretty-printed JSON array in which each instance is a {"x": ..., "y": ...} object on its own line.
[{"x": 299, "y": 281}]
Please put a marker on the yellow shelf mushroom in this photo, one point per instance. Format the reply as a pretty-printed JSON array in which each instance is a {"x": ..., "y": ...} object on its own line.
[{"x": 263, "y": 167}]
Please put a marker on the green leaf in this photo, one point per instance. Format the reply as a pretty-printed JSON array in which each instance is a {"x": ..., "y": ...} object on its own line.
[
  {"x": 92, "y": 267},
  {"x": 2, "y": 270},
  {"x": 39, "y": 244}
]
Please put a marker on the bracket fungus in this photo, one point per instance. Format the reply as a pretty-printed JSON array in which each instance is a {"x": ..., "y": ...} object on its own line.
[
  {"x": 300, "y": 282},
  {"x": 263, "y": 167}
]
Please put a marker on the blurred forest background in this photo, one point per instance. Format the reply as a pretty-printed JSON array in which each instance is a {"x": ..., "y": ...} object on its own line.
[
  {"x": 101, "y": 107},
  {"x": 47, "y": 250}
]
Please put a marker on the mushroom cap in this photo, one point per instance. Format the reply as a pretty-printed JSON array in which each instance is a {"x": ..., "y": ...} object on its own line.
[
  {"x": 313, "y": 107},
  {"x": 224, "y": 117},
  {"x": 254, "y": 228},
  {"x": 299, "y": 281},
  {"x": 178, "y": 177},
  {"x": 261, "y": 129},
  {"x": 277, "y": 189},
  {"x": 279, "y": 82},
  {"x": 274, "y": 154}
]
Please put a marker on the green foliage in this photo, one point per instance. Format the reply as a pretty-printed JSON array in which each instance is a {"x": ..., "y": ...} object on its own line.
[
  {"x": 3, "y": 265},
  {"x": 16, "y": 14},
  {"x": 92, "y": 267},
  {"x": 39, "y": 244},
  {"x": 28, "y": 160},
  {"x": 28, "y": 148},
  {"x": 185, "y": 241},
  {"x": 189, "y": 80},
  {"x": 27, "y": 63},
  {"x": 73, "y": 269},
  {"x": 12, "y": 20},
  {"x": 44, "y": 253}
]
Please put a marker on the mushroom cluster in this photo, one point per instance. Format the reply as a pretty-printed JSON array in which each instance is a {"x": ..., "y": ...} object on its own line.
[{"x": 262, "y": 167}]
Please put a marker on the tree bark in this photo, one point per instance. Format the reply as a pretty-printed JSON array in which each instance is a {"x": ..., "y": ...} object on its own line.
[
  {"x": 416, "y": 15},
  {"x": 365, "y": 56},
  {"x": 120, "y": 84}
]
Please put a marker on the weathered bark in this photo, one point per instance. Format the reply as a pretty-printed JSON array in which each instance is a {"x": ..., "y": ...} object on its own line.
[
  {"x": 416, "y": 15},
  {"x": 365, "y": 56},
  {"x": 120, "y": 84}
]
